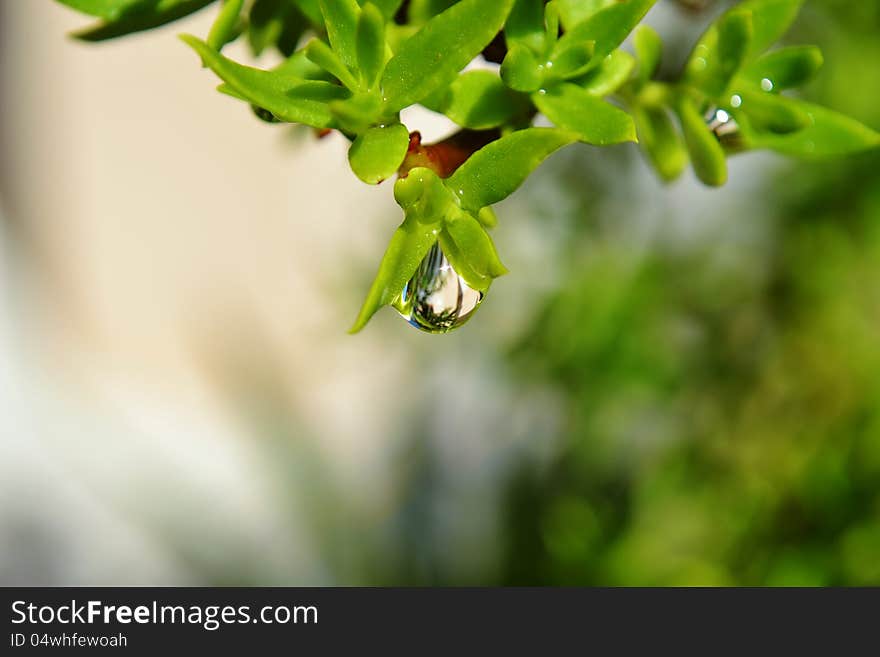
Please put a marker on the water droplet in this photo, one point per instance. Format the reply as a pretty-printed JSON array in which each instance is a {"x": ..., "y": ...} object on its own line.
[
  {"x": 436, "y": 299},
  {"x": 767, "y": 84},
  {"x": 725, "y": 128},
  {"x": 736, "y": 101}
]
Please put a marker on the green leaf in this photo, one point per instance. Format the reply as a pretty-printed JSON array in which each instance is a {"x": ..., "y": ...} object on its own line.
[
  {"x": 476, "y": 249},
  {"x": 609, "y": 77},
  {"x": 301, "y": 67},
  {"x": 289, "y": 99},
  {"x": 341, "y": 20},
  {"x": 377, "y": 154},
  {"x": 487, "y": 217},
  {"x": 388, "y": 8},
  {"x": 707, "y": 155},
  {"x": 521, "y": 70},
  {"x": 660, "y": 141},
  {"x": 595, "y": 121},
  {"x": 830, "y": 134},
  {"x": 495, "y": 171},
  {"x": 649, "y": 49},
  {"x": 459, "y": 261},
  {"x": 409, "y": 245},
  {"x": 570, "y": 61},
  {"x": 421, "y": 11},
  {"x": 525, "y": 25},
  {"x": 551, "y": 27},
  {"x": 785, "y": 68},
  {"x": 107, "y": 9},
  {"x": 358, "y": 113},
  {"x": 770, "y": 21},
  {"x": 573, "y": 12},
  {"x": 432, "y": 57},
  {"x": 142, "y": 17},
  {"x": 311, "y": 9},
  {"x": 275, "y": 23},
  {"x": 479, "y": 100},
  {"x": 371, "y": 46},
  {"x": 772, "y": 112},
  {"x": 609, "y": 27},
  {"x": 422, "y": 194},
  {"x": 720, "y": 53},
  {"x": 321, "y": 54},
  {"x": 225, "y": 27}
]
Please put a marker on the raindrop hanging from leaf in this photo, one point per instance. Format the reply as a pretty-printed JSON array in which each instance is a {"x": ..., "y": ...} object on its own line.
[{"x": 437, "y": 299}]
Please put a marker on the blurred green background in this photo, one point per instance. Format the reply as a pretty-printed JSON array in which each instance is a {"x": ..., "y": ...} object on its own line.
[{"x": 676, "y": 387}]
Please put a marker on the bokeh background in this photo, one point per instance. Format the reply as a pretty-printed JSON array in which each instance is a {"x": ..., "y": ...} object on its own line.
[{"x": 674, "y": 386}]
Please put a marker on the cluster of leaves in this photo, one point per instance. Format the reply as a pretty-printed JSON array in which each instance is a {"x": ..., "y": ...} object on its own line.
[{"x": 353, "y": 66}]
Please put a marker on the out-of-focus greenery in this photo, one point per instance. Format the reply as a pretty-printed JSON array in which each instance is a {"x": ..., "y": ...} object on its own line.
[{"x": 756, "y": 387}]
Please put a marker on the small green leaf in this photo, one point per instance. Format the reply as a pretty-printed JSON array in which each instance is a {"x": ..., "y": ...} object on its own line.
[
  {"x": 649, "y": 49},
  {"x": 409, "y": 245},
  {"x": 660, "y": 141},
  {"x": 358, "y": 113},
  {"x": 460, "y": 263},
  {"x": 371, "y": 46},
  {"x": 341, "y": 20},
  {"x": 388, "y": 8},
  {"x": 325, "y": 57},
  {"x": 829, "y": 134},
  {"x": 422, "y": 194},
  {"x": 610, "y": 76},
  {"x": 720, "y": 53},
  {"x": 265, "y": 24},
  {"x": 551, "y": 27},
  {"x": 785, "y": 68},
  {"x": 573, "y": 12},
  {"x": 107, "y": 9},
  {"x": 525, "y": 25},
  {"x": 521, "y": 70},
  {"x": 773, "y": 112},
  {"x": 707, "y": 155},
  {"x": 770, "y": 21},
  {"x": 487, "y": 217},
  {"x": 479, "y": 100},
  {"x": 291, "y": 100},
  {"x": 142, "y": 16},
  {"x": 434, "y": 55},
  {"x": 311, "y": 9},
  {"x": 225, "y": 27},
  {"x": 476, "y": 248},
  {"x": 275, "y": 23},
  {"x": 572, "y": 60},
  {"x": 595, "y": 121},
  {"x": 609, "y": 27},
  {"x": 421, "y": 11},
  {"x": 301, "y": 67},
  {"x": 378, "y": 153},
  {"x": 495, "y": 171}
]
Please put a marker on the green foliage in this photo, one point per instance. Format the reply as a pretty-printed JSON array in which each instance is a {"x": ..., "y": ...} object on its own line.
[{"x": 353, "y": 66}]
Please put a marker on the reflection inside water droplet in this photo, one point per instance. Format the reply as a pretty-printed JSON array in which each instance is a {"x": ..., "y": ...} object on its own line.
[
  {"x": 436, "y": 299},
  {"x": 725, "y": 128}
]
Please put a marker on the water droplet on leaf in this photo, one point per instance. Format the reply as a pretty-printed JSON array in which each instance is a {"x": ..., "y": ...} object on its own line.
[
  {"x": 725, "y": 128},
  {"x": 436, "y": 299}
]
